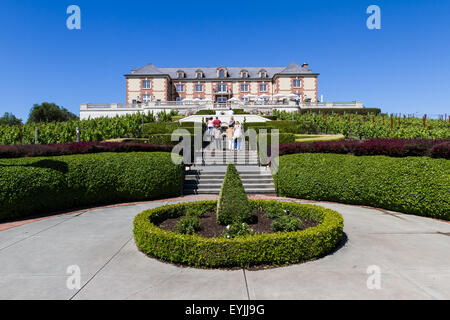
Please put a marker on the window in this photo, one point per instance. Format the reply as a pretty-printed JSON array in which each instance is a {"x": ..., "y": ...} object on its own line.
[
  {"x": 146, "y": 97},
  {"x": 297, "y": 83},
  {"x": 244, "y": 74},
  {"x": 222, "y": 87},
  {"x": 199, "y": 75},
  {"x": 222, "y": 73},
  {"x": 179, "y": 99},
  {"x": 244, "y": 87},
  {"x": 263, "y": 75},
  {"x": 263, "y": 87},
  {"x": 180, "y": 87},
  {"x": 221, "y": 100},
  {"x": 146, "y": 84},
  {"x": 198, "y": 88},
  {"x": 180, "y": 75}
]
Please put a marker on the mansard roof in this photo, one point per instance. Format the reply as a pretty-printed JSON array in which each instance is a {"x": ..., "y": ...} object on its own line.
[{"x": 211, "y": 72}]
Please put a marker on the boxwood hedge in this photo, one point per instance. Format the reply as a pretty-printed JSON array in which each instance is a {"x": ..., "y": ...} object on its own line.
[
  {"x": 270, "y": 249},
  {"x": 233, "y": 202},
  {"x": 36, "y": 185},
  {"x": 415, "y": 185}
]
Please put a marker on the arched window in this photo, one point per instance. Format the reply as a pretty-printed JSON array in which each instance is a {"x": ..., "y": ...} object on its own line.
[{"x": 221, "y": 73}]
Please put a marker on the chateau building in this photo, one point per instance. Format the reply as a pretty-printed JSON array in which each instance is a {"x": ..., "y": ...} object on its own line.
[{"x": 221, "y": 84}]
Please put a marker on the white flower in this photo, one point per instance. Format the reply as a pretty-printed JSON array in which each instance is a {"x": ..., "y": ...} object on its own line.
[
  {"x": 228, "y": 237},
  {"x": 228, "y": 227}
]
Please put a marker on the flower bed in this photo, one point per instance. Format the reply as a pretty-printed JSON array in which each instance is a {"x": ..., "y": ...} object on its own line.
[
  {"x": 261, "y": 249},
  {"x": 439, "y": 148}
]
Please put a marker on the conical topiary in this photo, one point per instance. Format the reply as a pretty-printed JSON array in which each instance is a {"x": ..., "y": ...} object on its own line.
[{"x": 233, "y": 205}]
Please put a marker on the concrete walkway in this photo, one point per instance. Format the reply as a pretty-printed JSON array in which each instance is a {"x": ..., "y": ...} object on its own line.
[{"x": 412, "y": 253}]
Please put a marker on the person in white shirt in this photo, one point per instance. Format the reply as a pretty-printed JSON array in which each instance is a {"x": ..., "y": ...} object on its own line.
[{"x": 238, "y": 135}]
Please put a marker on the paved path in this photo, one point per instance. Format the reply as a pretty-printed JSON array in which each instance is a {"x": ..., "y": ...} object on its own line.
[{"x": 412, "y": 253}]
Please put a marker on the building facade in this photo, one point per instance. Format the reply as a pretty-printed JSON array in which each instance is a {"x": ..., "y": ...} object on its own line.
[{"x": 221, "y": 84}]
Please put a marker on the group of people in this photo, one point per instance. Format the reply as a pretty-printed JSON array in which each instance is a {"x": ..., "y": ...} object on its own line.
[{"x": 234, "y": 133}]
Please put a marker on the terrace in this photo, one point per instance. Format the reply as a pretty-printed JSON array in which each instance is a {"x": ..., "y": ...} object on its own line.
[{"x": 189, "y": 107}]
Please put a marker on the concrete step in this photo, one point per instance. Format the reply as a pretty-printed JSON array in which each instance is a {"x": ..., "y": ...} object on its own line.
[
  {"x": 221, "y": 176},
  {"x": 210, "y": 185},
  {"x": 216, "y": 192},
  {"x": 220, "y": 181}
]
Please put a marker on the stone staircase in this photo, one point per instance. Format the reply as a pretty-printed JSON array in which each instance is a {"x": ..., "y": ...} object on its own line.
[
  {"x": 208, "y": 172},
  {"x": 208, "y": 180}
]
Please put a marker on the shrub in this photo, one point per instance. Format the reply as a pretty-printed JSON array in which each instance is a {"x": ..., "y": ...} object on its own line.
[
  {"x": 188, "y": 225},
  {"x": 242, "y": 251},
  {"x": 415, "y": 185},
  {"x": 286, "y": 224},
  {"x": 282, "y": 137},
  {"x": 237, "y": 229},
  {"x": 159, "y": 128},
  {"x": 388, "y": 147},
  {"x": 233, "y": 202},
  {"x": 39, "y": 150},
  {"x": 41, "y": 185}
]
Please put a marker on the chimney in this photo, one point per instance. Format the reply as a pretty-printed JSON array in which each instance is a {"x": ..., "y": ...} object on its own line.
[{"x": 305, "y": 65}]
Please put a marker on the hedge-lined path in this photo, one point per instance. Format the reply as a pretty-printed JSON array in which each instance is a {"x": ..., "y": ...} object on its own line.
[{"x": 411, "y": 252}]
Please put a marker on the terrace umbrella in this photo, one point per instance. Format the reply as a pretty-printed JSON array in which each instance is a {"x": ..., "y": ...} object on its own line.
[{"x": 250, "y": 96}]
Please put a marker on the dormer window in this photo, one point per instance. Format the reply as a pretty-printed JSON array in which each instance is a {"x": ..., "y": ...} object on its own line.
[
  {"x": 244, "y": 74},
  {"x": 222, "y": 72},
  {"x": 180, "y": 74},
  {"x": 263, "y": 74},
  {"x": 199, "y": 74}
]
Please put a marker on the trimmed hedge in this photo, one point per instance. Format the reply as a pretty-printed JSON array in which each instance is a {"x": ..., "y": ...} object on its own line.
[
  {"x": 282, "y": 137},
  {"x": 243, "y": 251},
  {"x": 39, "y": 150},
  {"x": 36, "y": 185},
  {"x": 439, "y": 148},
  {"x": 233, "y": 202},
  {"x": 415, "y": 185}
]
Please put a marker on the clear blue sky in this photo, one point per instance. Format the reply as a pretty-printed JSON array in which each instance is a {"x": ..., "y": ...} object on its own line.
[{"x": 404, "y": 67}]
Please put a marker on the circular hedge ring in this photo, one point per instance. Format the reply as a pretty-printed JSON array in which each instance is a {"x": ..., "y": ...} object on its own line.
[{"x": 261, "y": 249}]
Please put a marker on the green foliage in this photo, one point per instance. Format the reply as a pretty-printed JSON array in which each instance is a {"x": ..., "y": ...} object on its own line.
[
  {"x": 237, "y": 229},
  {"x": 282, "y": 137},
  {"x": 100, "y": 129},
  {"x": 49, "y": 112},
  {"x": 36, "y": 185},
  {"x": 415, "y": 185},
  {"x": 188, "y": 225},
  {"x": 9, "y": 119},
  {"x": 242, "y": 251},
  {"x": 233, "y": 203},
  {"x": 286, "y": 223},
  {"x": 361, "y": 126}
]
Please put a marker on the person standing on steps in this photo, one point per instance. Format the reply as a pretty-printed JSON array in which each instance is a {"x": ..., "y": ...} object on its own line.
[
  {"x": 232, "y": 122},
  {"x": 217, "y": 122},
  {"x": 230, "y": 140},
  {"x": 238, "y": 135},
  {"x": 210, "y": 126},
  {"x": 217, "y": 136}
]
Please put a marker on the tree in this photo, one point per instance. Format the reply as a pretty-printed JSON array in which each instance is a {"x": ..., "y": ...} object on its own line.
[
  {"x": 233, "y": 205},
  {"x": 10, "y": 119},
  {"x": 48, "y": 112}
]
